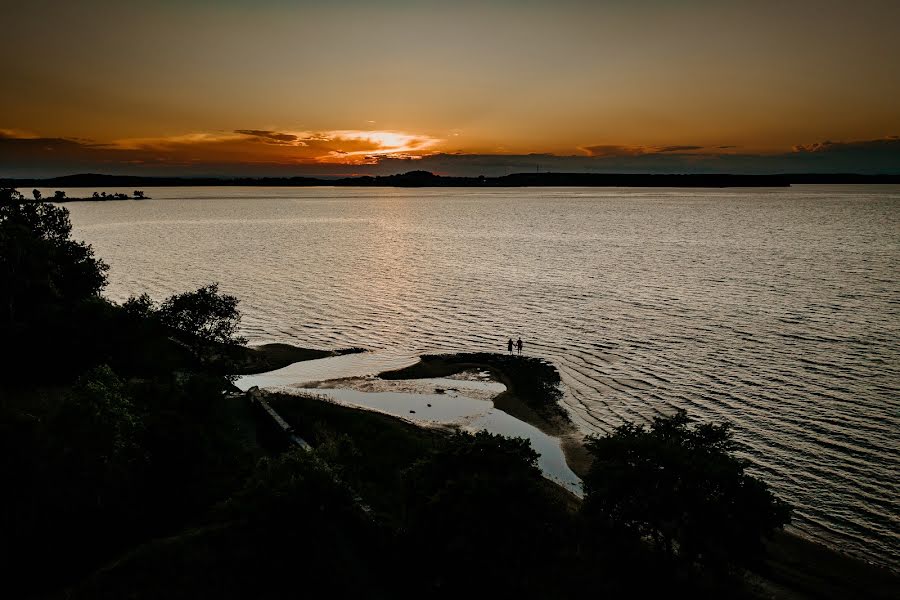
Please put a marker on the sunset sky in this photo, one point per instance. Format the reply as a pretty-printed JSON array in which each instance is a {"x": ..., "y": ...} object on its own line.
[{"x": 324, "y": 88}]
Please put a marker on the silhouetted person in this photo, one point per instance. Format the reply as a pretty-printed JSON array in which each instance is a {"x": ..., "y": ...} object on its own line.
[
  {"x": 519, "y": 345},
  {"x": 509, "y": 345}
]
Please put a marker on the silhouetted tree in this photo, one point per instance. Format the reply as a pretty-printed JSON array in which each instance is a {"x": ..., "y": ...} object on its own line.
[
  {"x": 681, "y": 488},
  {"x": 59, "y": 195},
  {"x": 99, "y": 427},
  {"x": 138, "y": 194},
  {"x": 204, "y": 314},
  {"x": 43, "y": 270},
  {"x": 10, "y": 195},
  {"x": 139, "y": 306},
  {"x": 482, "y": 495},
  {"x": 36, "y": 194}
]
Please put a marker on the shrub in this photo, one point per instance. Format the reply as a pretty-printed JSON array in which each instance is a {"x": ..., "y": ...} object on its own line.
[
  {"x": 205, "y": 315},
  {"x": 681, "y": 488}
]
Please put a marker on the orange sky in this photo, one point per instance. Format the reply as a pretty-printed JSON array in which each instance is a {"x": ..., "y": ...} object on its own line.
[{"x": 280, "y": 82}]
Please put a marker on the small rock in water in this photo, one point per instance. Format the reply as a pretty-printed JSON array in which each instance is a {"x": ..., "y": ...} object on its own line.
[
  {"x": 412, "y": 411},
  {"x": 439, "y": 390},
  {"x": 429, "y": 406}
]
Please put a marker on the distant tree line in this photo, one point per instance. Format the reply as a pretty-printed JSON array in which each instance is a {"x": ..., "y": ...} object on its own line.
[
  {"x": 60, "y": 196},
  {"x": 427, "y": 179}
]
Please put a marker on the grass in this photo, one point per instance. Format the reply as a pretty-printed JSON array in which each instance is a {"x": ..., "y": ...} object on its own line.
[{"x": 370, "y": 449}]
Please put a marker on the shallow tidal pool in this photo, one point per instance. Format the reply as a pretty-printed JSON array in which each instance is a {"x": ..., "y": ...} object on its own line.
[{"x": 463, "y": 401}]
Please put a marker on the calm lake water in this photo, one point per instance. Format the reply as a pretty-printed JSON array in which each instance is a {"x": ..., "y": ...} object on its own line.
[{"x": 776, "y": 310}]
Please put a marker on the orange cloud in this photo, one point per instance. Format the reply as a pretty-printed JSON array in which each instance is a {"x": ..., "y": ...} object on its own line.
[
  {"x": 17, "y": 134},
  {"x": 271, "y": 137},
  {"x": 366, "y": 147},
  {"x": 265, "y": 151},
  {"x": 261, "y": 145}
]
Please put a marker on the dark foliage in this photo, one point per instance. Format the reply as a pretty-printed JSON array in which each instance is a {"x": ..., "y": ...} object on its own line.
[
  {"x": 98, "y": 430},
  {"x": 205, "y": 315},
  {"x": 478, "y": 506},
  {"x": 42, "y": 271},
  {"x": 292, "y": 530},
  {"x": 116, "y": 461},
  {"x": 681, "y": 489},
  {"x": 51, "y": 312},
  {"x": 131, "y": 434}
]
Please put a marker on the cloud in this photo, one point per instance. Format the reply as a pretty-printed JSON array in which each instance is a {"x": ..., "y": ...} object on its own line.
[
  {"x": 295, "y": 147},
  {"x": 15, "y": 147},
  {"x": 369, "y": 146},
  {"x": 890, "y": 144},
  {"x": 271, "y": 136},
  {"x": 607, "y": 151},
  {"x": 613, "y": 151},
  {"x": 174, "y": 142},
  {"x": 880, "y": 155},
  {"x": 16, "y": 134},
  {"x": 678, "y": 148},
  {"x": 249, "y": 152},
  {"x": 242, "y": 149}
]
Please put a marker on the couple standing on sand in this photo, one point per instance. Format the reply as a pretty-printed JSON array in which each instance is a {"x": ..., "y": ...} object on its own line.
[{"x": 509, "y": 345}]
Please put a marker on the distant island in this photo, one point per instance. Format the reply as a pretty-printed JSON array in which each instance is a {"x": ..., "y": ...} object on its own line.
[{"x": 426, "y": 179}]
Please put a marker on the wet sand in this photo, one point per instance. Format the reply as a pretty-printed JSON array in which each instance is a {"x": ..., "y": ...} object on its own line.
[
  {"x": 269, "y": 357},
  {"x": 463, "y": 401},
  {"x": 514, "y": 401}
]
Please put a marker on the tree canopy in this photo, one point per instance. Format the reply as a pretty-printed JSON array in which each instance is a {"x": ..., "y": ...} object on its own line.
[
  {"x": 681, "y": 488},
  {"x": 41, "y": 268},
  {"x": 204, "y": 313}
]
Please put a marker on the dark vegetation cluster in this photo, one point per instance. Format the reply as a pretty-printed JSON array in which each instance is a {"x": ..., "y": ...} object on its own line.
[
  {"x": 130, "y": 471},
  {"x": 60, "y": 196}
]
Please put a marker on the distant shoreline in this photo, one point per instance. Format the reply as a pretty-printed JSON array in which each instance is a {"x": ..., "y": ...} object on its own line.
[{"x": 415, "y": 179}]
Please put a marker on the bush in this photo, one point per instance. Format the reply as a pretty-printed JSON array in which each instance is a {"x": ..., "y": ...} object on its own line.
[
  {"x": 682, "y": 489},
  {"x": 205, "y": 315},
  {"x": 100, "y": 423},
  {"x": 479, "y": 506},
  {"x": 43, "y": 271}
]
